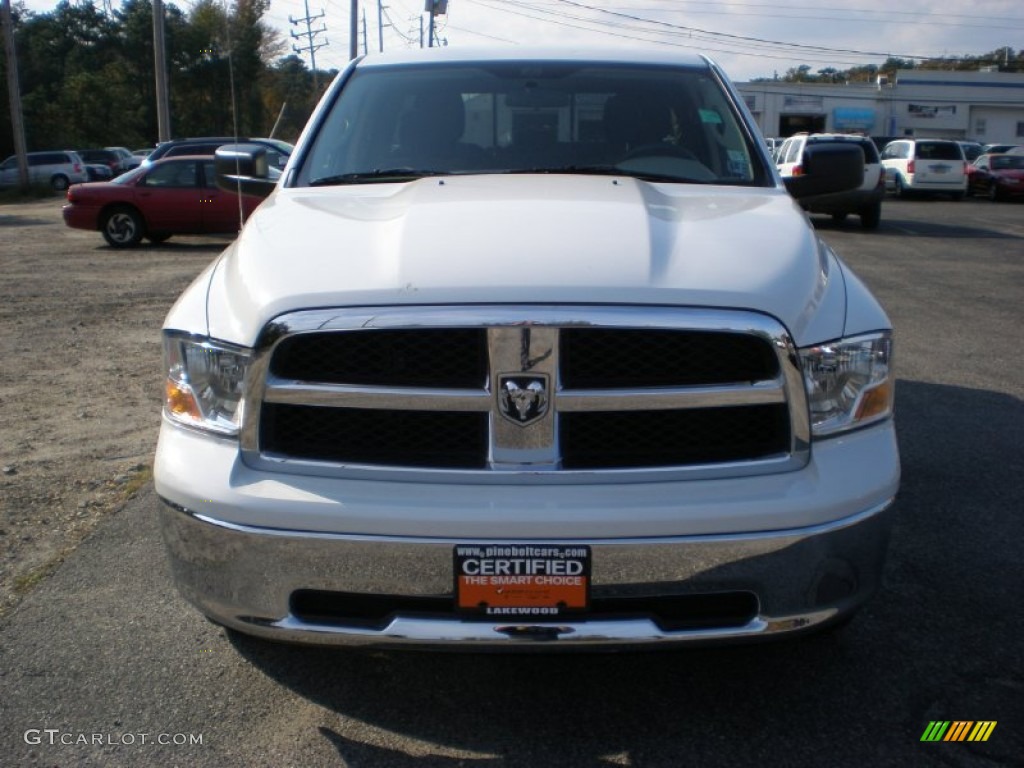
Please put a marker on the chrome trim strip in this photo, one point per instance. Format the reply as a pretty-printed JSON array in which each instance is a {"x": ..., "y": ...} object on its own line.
[
  {"x": 389, "y": 398},
  {"x": 671, "y": 398},
  {"x": 584, "y": 400},
  {"x": 791, "y": 535},
  {"x": 518, "y": 451}
]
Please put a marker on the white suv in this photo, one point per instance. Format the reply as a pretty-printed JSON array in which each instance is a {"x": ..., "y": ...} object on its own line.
[
  {"x": 925, "y": 165},
  {"x": 58, "y": 169},
  {"x": 865, "y": 201}
]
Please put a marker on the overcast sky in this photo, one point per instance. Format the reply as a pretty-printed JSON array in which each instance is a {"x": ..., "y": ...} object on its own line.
[{"x": 749, "y": 38}]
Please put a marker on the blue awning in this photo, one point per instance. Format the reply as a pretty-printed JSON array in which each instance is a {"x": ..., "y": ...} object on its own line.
[{"x": 853, "y": 118}]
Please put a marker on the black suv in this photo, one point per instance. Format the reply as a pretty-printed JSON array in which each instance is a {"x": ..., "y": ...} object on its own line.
[
  {"x": 865, "y": 201},
  {"x": 278, "y": 151}
]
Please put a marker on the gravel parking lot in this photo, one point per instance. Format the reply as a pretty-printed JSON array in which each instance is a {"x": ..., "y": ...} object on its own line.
[
  {"x": 79, "y": 384},
  {"x": 96, "y": 641}
]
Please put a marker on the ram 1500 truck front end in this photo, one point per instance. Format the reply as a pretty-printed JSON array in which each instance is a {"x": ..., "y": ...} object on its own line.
[{"x": 520, "y": 377}]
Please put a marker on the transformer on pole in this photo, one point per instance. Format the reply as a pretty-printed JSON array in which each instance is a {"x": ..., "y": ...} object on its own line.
[{"x": 434, "y": 8}]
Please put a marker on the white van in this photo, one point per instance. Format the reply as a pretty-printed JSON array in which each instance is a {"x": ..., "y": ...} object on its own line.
[
  {"x": 58, "y": 169},
  {"x": 925, "y": 165}
]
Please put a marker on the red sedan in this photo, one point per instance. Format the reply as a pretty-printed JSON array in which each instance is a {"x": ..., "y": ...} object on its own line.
[
  {"x": 998, "y": 176},
  {"x": 176, "y": 196}
]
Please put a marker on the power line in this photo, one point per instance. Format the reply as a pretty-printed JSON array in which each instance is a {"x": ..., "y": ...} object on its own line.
[{"x": 311, "y": 47}]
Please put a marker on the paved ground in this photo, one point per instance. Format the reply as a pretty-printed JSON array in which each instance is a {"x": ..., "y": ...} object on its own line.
[{"x": 103, "y": 650}]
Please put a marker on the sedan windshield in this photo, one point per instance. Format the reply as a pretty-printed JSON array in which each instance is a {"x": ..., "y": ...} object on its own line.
[{"x": 668, "y": 124}]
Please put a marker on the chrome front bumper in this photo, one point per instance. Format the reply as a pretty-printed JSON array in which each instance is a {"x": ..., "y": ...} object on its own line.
[{"x": 245, "y": 578}]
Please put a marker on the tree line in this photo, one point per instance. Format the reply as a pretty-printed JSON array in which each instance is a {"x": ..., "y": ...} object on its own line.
[
  {"x": 1002, "y": 59},
  {"x": 87, "y": 77}
]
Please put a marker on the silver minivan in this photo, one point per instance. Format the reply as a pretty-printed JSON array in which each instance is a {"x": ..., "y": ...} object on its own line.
[{"x": 59, "y": 169}]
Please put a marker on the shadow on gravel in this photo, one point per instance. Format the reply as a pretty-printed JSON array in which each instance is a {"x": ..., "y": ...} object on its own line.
[
  {"x": 940, "y": 641},
  {"x": 168, "y": 247},
  {"x": 7, "y": 220}
]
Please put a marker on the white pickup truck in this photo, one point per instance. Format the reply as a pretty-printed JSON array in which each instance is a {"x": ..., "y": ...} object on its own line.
[{"x": 528, "y": 348}]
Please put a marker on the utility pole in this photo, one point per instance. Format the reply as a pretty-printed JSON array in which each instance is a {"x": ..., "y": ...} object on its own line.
[
  {"x": 14, "y": 93},
  {"x": 435, "y": 8},
  {"x": 163, "y": 102},
  {"x": 353, "y": 29},
  {"x": 310, "y": 46},
  {"x": 380, "y": 25}
]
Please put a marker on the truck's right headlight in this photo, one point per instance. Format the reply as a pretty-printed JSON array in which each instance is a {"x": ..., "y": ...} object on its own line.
[
  {"x": 850, "y": 382},
  {"x": 205, "y": 383}
]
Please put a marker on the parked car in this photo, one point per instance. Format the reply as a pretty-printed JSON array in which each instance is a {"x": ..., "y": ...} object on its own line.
[
  {"x": 773, "y": 145},
  {"x": 972, "y": 150},
  {"x": 998, "y": 176},
  {"x": 98, "y": 172},
  {"x": 128, "y": 159},
  {"x": 864, "y": 201},
  {"x": 1000, "y": 149},
  {"x": 278, "y": 151},
  {"x": 529, "y": 348},
  {"x": 176, "y": 196},
  {"x": 925, "y": 166},
  {"x": 105, "y": 157},
  {"x": 58, "y": 169}
]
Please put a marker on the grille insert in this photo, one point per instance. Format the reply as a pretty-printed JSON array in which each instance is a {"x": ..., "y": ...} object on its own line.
[
  {"x": 428, "y": 357},
  {"x": 595, "y": 358},
  {"x": 667, "y": 438},
  {"x": 436, "y": 439}
]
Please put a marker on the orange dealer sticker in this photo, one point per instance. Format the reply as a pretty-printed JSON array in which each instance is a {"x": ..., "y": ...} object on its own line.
[{"x": 521, "y": 580}]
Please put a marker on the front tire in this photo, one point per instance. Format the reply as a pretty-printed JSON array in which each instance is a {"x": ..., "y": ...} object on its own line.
[
  {"x": 122, "y": 227},
  {"x": 871, "y": 216}
]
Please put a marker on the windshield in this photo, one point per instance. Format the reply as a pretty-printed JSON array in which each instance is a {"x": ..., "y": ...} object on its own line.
[
  {"x": 1008, "y": 162},
  {"x": 397, "y": 123}
]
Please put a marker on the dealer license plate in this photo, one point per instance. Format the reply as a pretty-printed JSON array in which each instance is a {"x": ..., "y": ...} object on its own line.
[{"x": 518, "y": 581}]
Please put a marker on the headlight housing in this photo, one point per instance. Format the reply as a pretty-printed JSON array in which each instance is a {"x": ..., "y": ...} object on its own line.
[
  {"x": 205, "y": 383},
  {"x": 850, "y": 382}
]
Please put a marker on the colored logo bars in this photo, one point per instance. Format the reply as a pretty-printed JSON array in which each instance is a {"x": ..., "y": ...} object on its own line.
[{"x": 958, "y": 730}]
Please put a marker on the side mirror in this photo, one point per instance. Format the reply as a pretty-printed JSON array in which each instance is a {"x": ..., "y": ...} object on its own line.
[
  {"x": 243, "y": 168},
  {"x": 828, "y": 168}
]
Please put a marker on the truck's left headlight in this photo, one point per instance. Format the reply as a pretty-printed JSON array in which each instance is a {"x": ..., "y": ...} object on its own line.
[
  {"x": 205, "y": 383},
  {"x": 850, "y": 382}
]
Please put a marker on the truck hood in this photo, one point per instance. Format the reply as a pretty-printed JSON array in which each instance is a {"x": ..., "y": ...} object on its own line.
[{"x": 557, "y": 239}]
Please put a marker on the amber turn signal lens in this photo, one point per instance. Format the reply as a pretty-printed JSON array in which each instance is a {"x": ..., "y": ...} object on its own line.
[{"x": 180, "y": 401}]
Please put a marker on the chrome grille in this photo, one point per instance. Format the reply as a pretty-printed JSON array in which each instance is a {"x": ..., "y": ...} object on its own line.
[{"x": 561, "y": 393}]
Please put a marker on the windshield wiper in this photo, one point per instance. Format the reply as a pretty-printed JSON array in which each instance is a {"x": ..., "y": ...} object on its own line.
[
  {"x": 378, "y": 175},
  {"x": 609, "y": 170}
]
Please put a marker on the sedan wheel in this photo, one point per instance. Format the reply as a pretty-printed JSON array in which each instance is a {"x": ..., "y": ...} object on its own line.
[
  {"x": 993, "y": 194},
  {"x": 122, "y": 228}
]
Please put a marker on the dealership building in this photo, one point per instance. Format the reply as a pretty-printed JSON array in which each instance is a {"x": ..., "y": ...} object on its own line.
[{"x": 987, "y": 107}]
